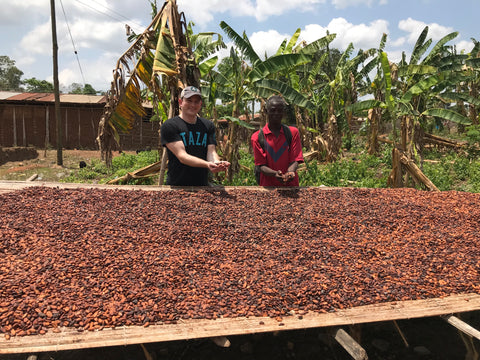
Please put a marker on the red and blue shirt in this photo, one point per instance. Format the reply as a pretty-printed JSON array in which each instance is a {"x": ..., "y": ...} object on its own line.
[{"x": 278, "y": 155}]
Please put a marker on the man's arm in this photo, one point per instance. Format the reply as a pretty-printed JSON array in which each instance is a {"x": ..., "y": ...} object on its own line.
[
  {"x": 212, "y": 156},
  {"x": 178, "y": 149}
]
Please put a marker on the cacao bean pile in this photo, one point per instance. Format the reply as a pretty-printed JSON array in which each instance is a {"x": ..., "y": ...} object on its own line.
[{"x": 95, "y": 258}]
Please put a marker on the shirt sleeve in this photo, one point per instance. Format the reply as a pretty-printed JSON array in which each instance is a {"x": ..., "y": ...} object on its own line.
[
  {"x": 258, "y": 154},
  {"x": 296, "y": 153},
  {"x": 168, "y": 133}
]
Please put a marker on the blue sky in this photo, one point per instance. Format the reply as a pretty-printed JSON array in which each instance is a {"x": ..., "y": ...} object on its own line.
[{"x": 95, "y": 29}]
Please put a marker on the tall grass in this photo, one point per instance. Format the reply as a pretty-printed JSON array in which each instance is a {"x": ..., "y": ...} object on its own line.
[{"x": 448, "y": 171}]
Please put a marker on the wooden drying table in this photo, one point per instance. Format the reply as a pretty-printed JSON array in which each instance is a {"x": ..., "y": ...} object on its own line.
[{"x": 71, "y": 339}]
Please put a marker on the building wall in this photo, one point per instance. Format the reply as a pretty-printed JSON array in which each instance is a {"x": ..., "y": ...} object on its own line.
[
  {"x": 144, "y": 135},
  {"x": 26, "y": 125}
]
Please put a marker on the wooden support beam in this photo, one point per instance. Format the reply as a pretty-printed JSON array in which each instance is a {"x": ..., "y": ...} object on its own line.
[
  {"x": 462, "y": 326},
  {"x": 404, "y": 338},
  {"x": 142, "y": 173},
  {"x": 350, "y": 345},
  {"x": 148, "y": 355},
  {"x": 221, "y": 341}
]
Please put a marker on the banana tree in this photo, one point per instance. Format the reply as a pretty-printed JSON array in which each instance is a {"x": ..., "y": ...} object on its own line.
[
  {"x": 246, "y": 79},
  {"x": 335, "y": 89},
  {"x": 407, "y": 103},
  {"x": 205, "y": 45},
  {"x": 304, "y": 80},
  {"x": 161, "y": 60}
]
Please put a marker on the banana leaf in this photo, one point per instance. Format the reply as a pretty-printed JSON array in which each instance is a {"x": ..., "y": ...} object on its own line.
[
  {"x": 239, "y": 122},
  {"x": 267, "y": 87},
  {"x": 276, "y": 64},
  {"x": 361, "y": 106},
  {"x": 448, "y": 115}
]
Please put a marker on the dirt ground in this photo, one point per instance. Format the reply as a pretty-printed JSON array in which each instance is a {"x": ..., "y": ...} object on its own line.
[{"x": 45, "y": 167}]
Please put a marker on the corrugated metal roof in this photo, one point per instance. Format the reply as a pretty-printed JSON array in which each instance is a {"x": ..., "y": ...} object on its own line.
[
  {"x": 82, "y": 99},
  {"x": 48, "y": 97},
  {"x": 6, "y": 94}
]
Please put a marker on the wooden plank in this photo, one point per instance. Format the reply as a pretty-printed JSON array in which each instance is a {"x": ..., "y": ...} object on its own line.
[
  {"x": 9, "y": 186},
  {"x": 462, "y": 326},
  {"x": 71, "y": 339},
  {"x": 350, "y": 345},
  {"x": 19, "y": 185}
]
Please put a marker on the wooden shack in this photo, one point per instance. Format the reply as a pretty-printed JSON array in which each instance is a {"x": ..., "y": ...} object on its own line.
[{"x": 28, "y": 119}]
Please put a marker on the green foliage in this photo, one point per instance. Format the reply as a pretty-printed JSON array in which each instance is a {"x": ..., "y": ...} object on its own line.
[
  {"x": 473, "y": 135},
  {"x": 10, "y": 75},
  {"x": 98, "y": 172},
  {"x": 452, "y": 171},
  {"x": 448, "y": 171},
  {"x": 439, "y": 173},
  {"x": 38, "y": 86},
  {"x": 359, "y": 171},
  {"x": 77, "y": 88},
  {"x": 461, "y": 168},
  {"x": 474, "y": 178},
  {"x": 246, "y": 176}
]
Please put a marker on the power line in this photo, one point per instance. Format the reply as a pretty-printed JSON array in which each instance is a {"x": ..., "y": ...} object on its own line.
[
  {"x": 73, "y": 44},
  {"x": 121, "y": 19}
]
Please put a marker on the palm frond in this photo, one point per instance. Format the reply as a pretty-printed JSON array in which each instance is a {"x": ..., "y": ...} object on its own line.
[
  {"x": 419, "y": 48},
  {"x": 439, "y": 46},
  {"x": 243, "y": 44},
  {"x": 448, "y": 115},
  {"x": 267, "y": 87}
]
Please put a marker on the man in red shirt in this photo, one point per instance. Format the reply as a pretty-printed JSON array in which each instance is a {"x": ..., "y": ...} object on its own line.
[{"x": 278, "y": 159}]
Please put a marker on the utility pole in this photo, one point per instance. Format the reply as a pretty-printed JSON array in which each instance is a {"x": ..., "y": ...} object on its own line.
[{"x": 56, "y": 86}]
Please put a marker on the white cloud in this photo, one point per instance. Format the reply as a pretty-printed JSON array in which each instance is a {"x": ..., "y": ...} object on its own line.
[
  {"x": 342, "y": 4},
  {"x": 38, "y": 40},
  {"x": 109, "y": 36},
  {"x": 267, "y": 8},
  {"x": 414, "y": 28},
  {"x": 395, "y": 55},
  {"x": 98, "y": 29},
  {"x": 27, "y": 9},
  {"x": 267, "y": 42},
  {"x": 362, "y": 36},
  {"x": 464, "y": 46},
  {"x": 97, "y": 72},
  {"x": 202, "y": 12},
  {"x": 398, "y": 42}
]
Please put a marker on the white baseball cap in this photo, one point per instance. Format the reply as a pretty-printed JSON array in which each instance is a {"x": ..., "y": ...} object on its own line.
[{"x": 190, "y": 91}]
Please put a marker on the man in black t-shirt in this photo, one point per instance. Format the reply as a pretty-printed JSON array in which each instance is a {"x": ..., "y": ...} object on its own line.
[{"x": 191, "y": 144}]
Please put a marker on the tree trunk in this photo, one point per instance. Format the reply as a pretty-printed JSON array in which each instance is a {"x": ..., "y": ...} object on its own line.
[
  {"x": 473, "y": 113},
  {"x": 333, "y": 139},
  {"x": 171, "y": 113},
  {"x": 373, "y": 117},
  {"x": 400, "y": 164},
  {"x": 232, "y": 150}
]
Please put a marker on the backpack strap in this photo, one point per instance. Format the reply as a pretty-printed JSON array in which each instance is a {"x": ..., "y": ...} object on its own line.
[
  {"x": 286, "y": 131},
  {"x": 261, "y": 139}
]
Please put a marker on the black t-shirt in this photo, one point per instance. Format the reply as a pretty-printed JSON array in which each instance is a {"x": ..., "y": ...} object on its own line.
[{"x": 196, "y": 137}]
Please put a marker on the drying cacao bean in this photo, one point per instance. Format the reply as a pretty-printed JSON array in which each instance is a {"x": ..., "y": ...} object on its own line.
[{"x": 92, "y": 259}]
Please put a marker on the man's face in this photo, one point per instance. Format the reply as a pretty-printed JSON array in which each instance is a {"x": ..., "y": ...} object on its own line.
[
  {"x": 191, "y": 105},
  {"x": 275, "y": 112}
]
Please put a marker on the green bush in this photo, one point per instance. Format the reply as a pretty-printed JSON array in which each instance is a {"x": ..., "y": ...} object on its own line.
[
  {"x": 449, "y": 171},
  {"x": 461, "y": 168},
  {"x": 440, "y": 174}
]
